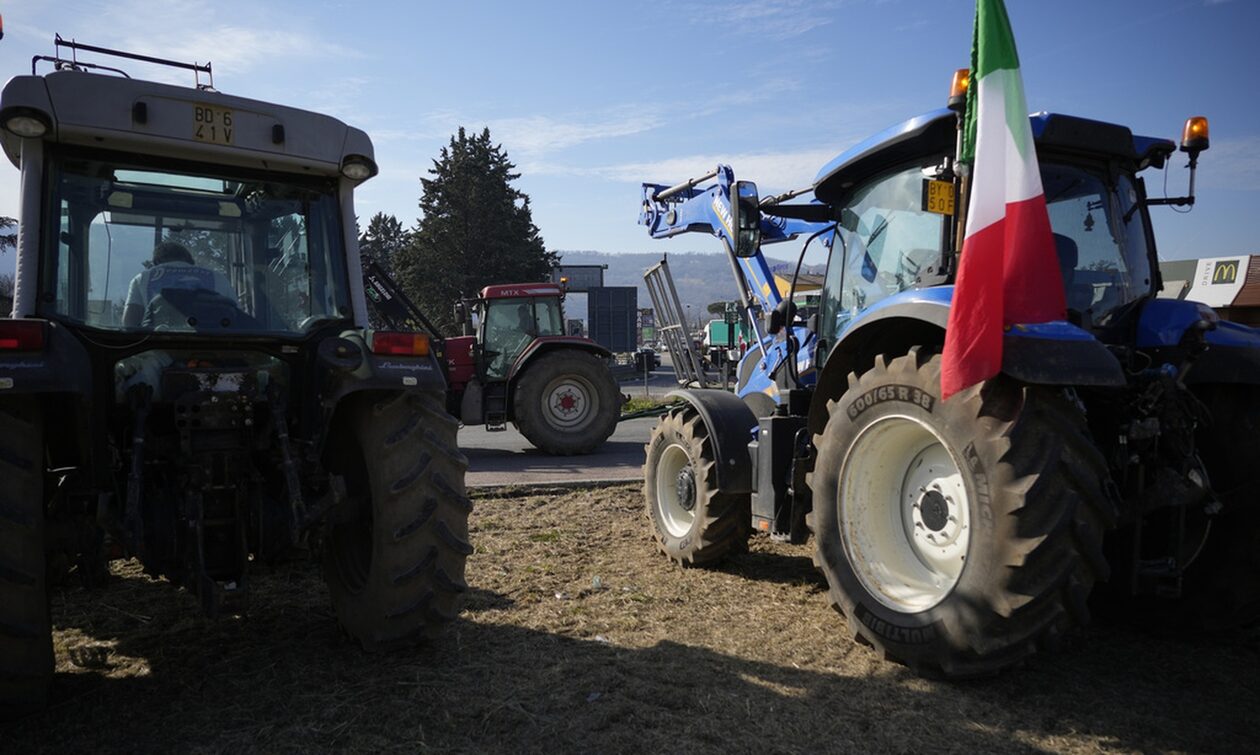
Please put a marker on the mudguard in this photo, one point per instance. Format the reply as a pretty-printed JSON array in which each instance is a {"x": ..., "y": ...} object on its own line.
[
  {"x": 62, "y": 366},
  {"x": 357, "y": 369},
  {"x": 1058, "y": 353},
  {"x": 731, "y": 426},
  {"x": 1052, "y": 353},
  {"x": 1233, "y": 354},
  {"x": 545, "y": 343},
  {"x": 1055, "y": 353}
]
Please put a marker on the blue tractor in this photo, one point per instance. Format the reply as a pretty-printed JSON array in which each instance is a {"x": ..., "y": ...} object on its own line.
[{"x": 1113, "y": 462}]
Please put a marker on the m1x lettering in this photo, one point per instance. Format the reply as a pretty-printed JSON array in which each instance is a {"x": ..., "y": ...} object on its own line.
[{"x": 907, "y": 394}]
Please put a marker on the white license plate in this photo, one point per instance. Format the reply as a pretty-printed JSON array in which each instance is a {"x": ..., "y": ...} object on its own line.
[{"x": 212, "y": 124}]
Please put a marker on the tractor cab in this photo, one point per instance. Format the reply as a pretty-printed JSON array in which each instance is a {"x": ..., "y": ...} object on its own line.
[{"x": 511, "y": 317}]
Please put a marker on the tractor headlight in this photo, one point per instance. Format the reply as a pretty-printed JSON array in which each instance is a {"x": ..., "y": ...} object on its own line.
[
  {"x": 26, "y": 123},
  {"x": 358, "y": 168}
]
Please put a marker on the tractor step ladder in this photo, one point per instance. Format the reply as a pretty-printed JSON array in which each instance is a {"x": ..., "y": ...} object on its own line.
[
  {"x": 495, "y": 402},
  {"x": 672, "y": 326}
]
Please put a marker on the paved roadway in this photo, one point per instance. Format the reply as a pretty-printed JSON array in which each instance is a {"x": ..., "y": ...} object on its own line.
[{"x": 506, "y": 458}]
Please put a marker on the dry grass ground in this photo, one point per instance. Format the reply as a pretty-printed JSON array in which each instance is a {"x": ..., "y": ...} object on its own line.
[{"x": 578, "y": 637}]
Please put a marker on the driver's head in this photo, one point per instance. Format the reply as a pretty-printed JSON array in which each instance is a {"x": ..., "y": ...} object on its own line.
[
  {"x": 523, "y": 320},
  {"x": 170, "y": 251}
]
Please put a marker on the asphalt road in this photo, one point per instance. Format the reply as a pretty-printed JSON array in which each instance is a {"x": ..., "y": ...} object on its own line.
[{"x": 506, "y": 458}]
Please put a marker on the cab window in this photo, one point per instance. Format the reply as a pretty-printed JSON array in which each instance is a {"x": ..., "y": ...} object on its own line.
[{"x": 890, "y": 244}]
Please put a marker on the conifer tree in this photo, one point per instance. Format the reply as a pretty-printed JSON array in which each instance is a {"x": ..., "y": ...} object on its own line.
[
  {"x": 384, "y": 238},
  {"x": 475, "y": 229}
]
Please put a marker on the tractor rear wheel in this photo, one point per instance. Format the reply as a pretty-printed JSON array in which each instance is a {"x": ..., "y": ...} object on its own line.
[
  {"x": 957, "y": 536},
  {"x": 566, "y": 403},
  {"x": 26, "y": 650},
  {"x": 1222, "y": 588},
  {"x": 694, "y": 522},
  {"x": 394, "y": 563}
]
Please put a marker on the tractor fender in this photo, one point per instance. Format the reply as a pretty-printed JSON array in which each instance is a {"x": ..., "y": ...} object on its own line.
[
  {"x": 1054, "y": 353},
  {"x": 544, "y": 344},
  {"x": 361, "y": 370},
  {"x": 890, "y": 326},
  {"x": 1233, "y": 354},
  {"x": 61, "y": 366},
  {"x": 731, "y": 427},
  {"x": 1058, "y": 353}
]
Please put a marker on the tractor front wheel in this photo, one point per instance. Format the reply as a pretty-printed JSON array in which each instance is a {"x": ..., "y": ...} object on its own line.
[
  {"x": 394, "y": 560},
  {"x": 566, "y": 403},
  {"x": 694, "y": 521},
  {"x": 957, "y": 536}
]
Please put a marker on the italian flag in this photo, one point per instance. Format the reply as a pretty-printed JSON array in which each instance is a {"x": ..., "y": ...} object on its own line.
[{"x": 1008, "y": 272}]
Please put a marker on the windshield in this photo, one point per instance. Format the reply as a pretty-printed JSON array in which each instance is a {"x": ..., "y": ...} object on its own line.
[
  {"x": 890, "y": 242},
  {"x": 1102, "y": 256},
  {"x": 139, "y": 248},
  {"x": 512, "y": 324}
]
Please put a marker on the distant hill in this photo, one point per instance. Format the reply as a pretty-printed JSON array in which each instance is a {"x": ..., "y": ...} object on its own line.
[{"x": 700, "y": 278}]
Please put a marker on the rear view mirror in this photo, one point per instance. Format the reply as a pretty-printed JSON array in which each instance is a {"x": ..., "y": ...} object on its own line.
[{"x": 746, "y": 208}]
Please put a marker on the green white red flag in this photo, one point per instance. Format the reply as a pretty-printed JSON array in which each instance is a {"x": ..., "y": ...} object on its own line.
[{"x": 1008, "y": 272}]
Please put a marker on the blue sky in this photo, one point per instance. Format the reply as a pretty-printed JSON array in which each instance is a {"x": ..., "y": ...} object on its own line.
[{"x": 591, "y": 98}]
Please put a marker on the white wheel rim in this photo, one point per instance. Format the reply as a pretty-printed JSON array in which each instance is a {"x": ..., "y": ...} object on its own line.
[
  {"x": 569, "y": 402},
  {"x": 904, "y": 515},
  {"x": 675, "y": 490}
]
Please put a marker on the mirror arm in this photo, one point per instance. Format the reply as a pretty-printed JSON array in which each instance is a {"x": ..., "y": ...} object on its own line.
[{"x": 1186, "y": 201}]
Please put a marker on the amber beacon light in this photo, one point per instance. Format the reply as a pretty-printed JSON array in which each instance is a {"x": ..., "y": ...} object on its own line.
[
  {"x": 958, "y": 88},
  {"x": 1194, "y": 137}
]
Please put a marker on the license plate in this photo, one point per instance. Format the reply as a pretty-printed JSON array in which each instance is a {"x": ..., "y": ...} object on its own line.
[
  {"x": 212, "y": 124},
  {"x": 938, "y": 197}
]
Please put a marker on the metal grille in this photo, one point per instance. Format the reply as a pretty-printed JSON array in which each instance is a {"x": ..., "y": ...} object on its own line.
[{"x": 672, "y": 327}]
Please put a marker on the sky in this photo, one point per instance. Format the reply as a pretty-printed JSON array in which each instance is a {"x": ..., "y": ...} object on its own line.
[{"x": 589, "y": 99}]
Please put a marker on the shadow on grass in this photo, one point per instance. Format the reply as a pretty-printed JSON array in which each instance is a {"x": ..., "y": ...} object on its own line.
[{"x": 283, "y": 678}]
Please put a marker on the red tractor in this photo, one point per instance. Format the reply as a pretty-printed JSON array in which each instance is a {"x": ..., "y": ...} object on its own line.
[{"x": 517, "y": 365}]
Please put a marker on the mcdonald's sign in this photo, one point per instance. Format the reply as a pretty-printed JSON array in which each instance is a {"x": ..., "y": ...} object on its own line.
[{"x": 1225, "y": 272}]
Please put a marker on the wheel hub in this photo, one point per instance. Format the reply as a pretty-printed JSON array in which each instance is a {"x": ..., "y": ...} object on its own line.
[
  {"x": 675, "y": 483},
  {"x": 933, "y": 510},
  {"x": 569, "y": 402},
  {"x": 686, "y": 488}
]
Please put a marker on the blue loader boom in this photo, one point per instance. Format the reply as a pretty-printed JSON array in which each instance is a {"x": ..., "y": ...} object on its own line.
[
  {"x": 732, "y": 211},
  {"x": 1113, "y": 460}
]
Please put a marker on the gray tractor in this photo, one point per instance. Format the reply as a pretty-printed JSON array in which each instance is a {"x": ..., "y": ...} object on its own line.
[{"x": 188, "y": 377}]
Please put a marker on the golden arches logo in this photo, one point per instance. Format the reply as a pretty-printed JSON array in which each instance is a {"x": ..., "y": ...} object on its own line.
[{"x": 1225, "y": 272}]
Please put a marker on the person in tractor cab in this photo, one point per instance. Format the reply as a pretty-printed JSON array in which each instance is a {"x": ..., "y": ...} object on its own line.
[{"x": 173, "y": 268}]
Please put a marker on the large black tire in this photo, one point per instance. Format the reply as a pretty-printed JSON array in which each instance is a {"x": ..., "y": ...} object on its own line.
[
  {"x": 694, "y": 522},
  {"x": 26, "y": 650},
  {"x": 976, "y": 549},
  {"x": 566, "y": 402},
  {"x": 1222, "y": 587},
  {"x": 395, "y": 568}
]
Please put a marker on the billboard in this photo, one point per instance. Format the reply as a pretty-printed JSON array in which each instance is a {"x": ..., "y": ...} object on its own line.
[
  {"x": 1217, "y": 281},
  {"x": 612, "y": 314},
  {"x": 579, "y": 278}
]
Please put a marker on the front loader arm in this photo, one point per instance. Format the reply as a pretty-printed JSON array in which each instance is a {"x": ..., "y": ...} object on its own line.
[{"x": 687, "y": 207}]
